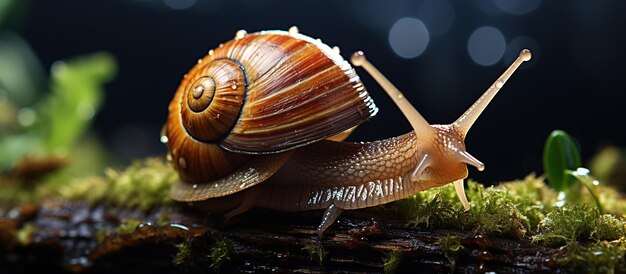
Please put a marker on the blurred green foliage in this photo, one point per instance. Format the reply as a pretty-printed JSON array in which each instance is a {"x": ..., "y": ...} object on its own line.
[
  {"x": 54, "y": 123},
  {"x": 41, "y": 115},
  {"x": 609, "y": 166},
  {"x": 12, "y": 12},
  {"x": 76, "y": 94}
]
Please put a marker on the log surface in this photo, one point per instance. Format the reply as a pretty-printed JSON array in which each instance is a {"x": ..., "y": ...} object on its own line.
[{"x": 62, "y": 236}]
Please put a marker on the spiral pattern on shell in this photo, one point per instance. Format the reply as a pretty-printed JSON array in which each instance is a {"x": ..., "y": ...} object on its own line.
[
  {"x": 214, "y": 97},
  {"x": 261, "y": 93}
]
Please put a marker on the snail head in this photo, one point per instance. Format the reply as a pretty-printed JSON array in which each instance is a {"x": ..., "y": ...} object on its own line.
[{"x": 443, "y": 157}]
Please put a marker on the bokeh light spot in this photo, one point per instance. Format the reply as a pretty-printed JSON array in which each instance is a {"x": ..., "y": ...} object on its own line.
[
  {"x": 517, "y": 7},
  {"x": 409, "y": 37},
  {"x": 486, "y": 46},
  {"x": 438, "y": 15},
  {"x": 179, "y": 4},
  {"x": 26, "y": 117}
]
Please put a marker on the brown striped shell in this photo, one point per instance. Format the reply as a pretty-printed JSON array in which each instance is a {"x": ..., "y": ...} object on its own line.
[{"x": 249, "y": 100}]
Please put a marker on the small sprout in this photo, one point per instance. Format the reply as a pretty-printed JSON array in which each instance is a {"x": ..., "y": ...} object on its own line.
[
  {"x": 559, "y": 155},
  {"x": 450, "y": 245},
  {"x": 392, "y": 261},
  {"x": 316, "y": 251},
  {"x": 563, "y": 166},
  {"x": 582, "y": 175}
]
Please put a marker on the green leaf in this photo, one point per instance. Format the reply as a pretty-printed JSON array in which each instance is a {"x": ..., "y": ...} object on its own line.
[
  {"x": 77, "y": 93},
  {"x": 560, "y": 154},
  {"x": 22, "y": 78}
]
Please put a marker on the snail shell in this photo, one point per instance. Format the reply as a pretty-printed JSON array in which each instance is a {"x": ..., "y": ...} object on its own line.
[{"x": 242, "y": 107}]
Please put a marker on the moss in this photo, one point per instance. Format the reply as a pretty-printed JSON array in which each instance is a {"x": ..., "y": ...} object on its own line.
[
  {"x": 494, "y": 211},
  {"x": 451, "y": 246},
  {"x": 144, "y": 185},
  {"x": 578, "y": 222},
  {"x": 15, "y": 191},
  {"x": 316, "y": 251},
  {"x": 101, "y": 235},
  {"x": 164, "y": 218},
  {"x": 184, "y": 258},
  {"x": 433, "y": 208},
  {"x": 195, "y": 255},
  {"x": 531, "y": 197},
  {"x": 220, "y": 253},
  {"x": 25, "y": 234},
  {"x": 608, "y": 227},
  {"x": 127, "y": 227},
  {"x": 392, "y": 261},
  {"x": 435, "y": 212},
  {"x": 510, "y": 209},
  {"x": 566, "y": 224},
  {"x": 599, "y": 257},
  {"x": 516, "y": 209}
]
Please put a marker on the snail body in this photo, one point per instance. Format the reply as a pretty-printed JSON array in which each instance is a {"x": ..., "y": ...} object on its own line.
[{"x": 260, "y": 121}]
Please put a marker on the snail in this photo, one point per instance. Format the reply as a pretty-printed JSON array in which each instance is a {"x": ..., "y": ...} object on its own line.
[{"x": 260, "y": 122}]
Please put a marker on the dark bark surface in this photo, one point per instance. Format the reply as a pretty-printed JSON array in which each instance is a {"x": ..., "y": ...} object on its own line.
[{"x": 62, "y": 236}]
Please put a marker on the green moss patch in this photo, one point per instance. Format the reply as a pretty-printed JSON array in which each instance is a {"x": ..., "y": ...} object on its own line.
[
  {"x": 145, "y": 184},
  {"x": 451, "y": 246},
  {"x": 196, "y": 255},
  {"x": 520, "y": 209},
  {"x": 599, "y": 257},
  {"x": 511, "y": 209},
  {"x": 316, "y": 252},
  {"x": 392, "y": 261},
  {"x": 578, "y": 223}
]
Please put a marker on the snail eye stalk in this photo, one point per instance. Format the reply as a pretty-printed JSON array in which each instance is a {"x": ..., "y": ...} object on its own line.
[
  {"x": 422, "y": 128},
  {"x": 465, "y": 122}
]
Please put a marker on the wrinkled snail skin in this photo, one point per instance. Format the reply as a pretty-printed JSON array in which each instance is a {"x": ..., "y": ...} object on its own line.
[
  {"x": 260, "y": 122},
  {"x": 354, "y": 175},
  {"x": 342, "y": 176}
]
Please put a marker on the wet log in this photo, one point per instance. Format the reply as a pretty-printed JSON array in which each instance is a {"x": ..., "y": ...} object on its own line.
[{"x": 61, "y": 236}]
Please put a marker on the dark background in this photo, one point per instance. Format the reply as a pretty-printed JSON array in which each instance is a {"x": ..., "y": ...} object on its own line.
[{"x": 575, "y": 81}]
